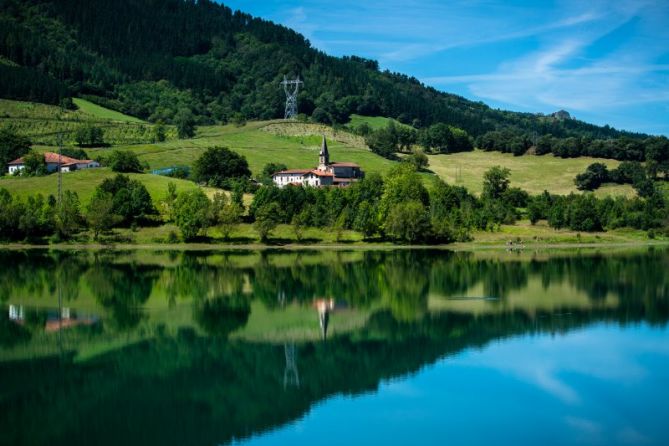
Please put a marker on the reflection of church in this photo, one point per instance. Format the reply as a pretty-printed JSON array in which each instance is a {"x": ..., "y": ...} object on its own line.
[
  {"x": 324, "y": 307},
  {"x": 56, "y": 320}
]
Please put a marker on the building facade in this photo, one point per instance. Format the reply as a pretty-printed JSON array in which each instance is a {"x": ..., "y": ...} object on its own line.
[
  {"x": 326, "y": 174},
  {"x": 53, "y": 161}
]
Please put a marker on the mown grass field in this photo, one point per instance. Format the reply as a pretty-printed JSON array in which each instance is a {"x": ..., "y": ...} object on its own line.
[
  {"x": 260, "y": 147},
  {"x": 531, "y": 173},
  {"x": 84, "y": 183},
  {"x": 297, "y": 145},
  {"x": 525, "y": 234}
]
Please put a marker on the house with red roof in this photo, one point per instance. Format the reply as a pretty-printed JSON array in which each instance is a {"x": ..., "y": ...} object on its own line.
[
  {"x": 53, "y": 161},
  {"x": 326, "y": 174}
]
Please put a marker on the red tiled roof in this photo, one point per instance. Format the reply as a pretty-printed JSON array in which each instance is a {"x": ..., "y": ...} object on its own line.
[{"x": 52, "y": 158}]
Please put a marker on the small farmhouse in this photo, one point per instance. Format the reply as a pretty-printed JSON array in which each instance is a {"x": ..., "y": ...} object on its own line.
[
  {"x": 326, "y": 174},
  {"x": 53, "y": 161}
]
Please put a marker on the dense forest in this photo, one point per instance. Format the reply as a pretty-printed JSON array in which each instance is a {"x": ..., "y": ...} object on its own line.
[{"x": 159, "y": 60}]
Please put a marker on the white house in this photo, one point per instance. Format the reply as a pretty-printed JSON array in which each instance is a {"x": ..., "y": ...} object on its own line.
[
  {"x": 326, "y": 174},
  {"x": 52, "y": 160}
]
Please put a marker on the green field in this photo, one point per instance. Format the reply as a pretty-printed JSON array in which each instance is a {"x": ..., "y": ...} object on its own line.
[
  {"x": 259, "y": 146},
  {"x": 292, "y": 143},
  {"x": 101, "y": 113},
  {"x": 374, "y": 122},
  {"x": 84, "y": 183},
  {"x": 43, "y": 123},
  {"x": 531, "y": 173}
]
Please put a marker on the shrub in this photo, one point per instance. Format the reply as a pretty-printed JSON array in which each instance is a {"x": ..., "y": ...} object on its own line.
[
  {"x": 124, "y": 161},
  {"x": 218, "y": 166}
]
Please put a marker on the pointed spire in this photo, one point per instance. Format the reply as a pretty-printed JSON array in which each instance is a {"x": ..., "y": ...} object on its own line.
[
  {"x": 324, "y": 148},
  {"x": 323, "y": 156}
]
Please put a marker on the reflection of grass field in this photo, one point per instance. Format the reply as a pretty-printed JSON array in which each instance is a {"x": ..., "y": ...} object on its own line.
[{"x": 531, "y": 173}]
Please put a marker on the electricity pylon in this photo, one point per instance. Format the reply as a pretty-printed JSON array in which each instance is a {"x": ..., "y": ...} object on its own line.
[{"x": 291, "y": 88}]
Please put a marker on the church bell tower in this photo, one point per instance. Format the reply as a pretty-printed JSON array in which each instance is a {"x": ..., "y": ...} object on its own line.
[{"x": 323, "y": 156}]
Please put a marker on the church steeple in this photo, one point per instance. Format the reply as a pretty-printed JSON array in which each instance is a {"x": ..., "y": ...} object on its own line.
[{"x": 323, "y": 156}]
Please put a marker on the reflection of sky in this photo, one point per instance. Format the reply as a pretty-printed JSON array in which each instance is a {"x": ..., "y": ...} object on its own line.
[{"x": 602, "y": 385}]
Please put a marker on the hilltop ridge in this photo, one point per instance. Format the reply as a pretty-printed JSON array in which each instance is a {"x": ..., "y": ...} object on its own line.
[{"x": 163, "y": 60}]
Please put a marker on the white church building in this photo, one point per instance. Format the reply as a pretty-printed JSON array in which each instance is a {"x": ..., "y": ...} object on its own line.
[{"x": 326, "y": 174}]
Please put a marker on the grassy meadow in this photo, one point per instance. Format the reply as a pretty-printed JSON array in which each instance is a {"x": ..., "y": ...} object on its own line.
[
  {"x": 296, "y": 145},
  {"x": 43, "y": 123},
  {"x": 84, "y": 183},
  {"x": 531, "y": 173},
  {"x": 292, "y": 143}
]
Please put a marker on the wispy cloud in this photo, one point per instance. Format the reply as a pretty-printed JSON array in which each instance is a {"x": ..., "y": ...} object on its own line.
[{"x": 599, "y": 58}]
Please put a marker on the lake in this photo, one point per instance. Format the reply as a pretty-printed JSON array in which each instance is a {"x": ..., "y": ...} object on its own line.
[{"x": 334, "y": 347}]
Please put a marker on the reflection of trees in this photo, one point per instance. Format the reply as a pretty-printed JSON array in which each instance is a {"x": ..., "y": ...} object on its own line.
[
  {"x": 194, "y": 277},
  {"x": 122, "y": 289},
  {"x": 11, "y": 333},
  {"x": 198, "y": 390},
  {"x": 222, "y": 315},
  {"x": 405, "y": 284}
]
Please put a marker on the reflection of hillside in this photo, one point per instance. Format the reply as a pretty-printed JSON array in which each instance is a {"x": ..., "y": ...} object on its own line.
[
  {"x": 194, "y": 348},
  {"x": 190, "y": 389}
]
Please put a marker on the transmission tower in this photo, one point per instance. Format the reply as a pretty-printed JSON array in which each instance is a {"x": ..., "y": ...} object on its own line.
[
  {"x": 291, "y": 87},
  {"x": 291, "y": 376}
]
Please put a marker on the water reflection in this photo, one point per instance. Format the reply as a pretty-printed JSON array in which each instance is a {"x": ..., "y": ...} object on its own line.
[{"x": 204, "y": 348}]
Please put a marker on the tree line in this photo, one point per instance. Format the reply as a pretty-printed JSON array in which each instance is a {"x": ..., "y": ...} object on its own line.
[
  {"x": 398, "y": 207},
  {"x": 653, "y": 149}
]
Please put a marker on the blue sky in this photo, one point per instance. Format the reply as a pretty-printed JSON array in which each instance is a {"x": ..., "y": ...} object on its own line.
[{"x": 606, "y": 62}]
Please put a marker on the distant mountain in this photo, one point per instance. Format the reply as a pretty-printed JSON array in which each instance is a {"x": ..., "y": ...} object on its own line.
[{"x": 157, "y": 59}]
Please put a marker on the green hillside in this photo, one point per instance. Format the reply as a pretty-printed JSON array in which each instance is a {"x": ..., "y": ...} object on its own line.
[
  {"x": 292, "y": 143},
  {"x": 374, "y": 122},
  {"x": 84, "y": 183},
  {"x": 155, "y": 60},
  {"x": 95, "y": 111},
  {"x": 42, "y": 123},
  {"x": 531, "y": 173}
]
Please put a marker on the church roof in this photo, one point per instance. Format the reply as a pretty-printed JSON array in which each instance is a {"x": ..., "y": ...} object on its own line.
[
  {"x": 321, "y": 173},
  {"x": 344, "y": 165},
  {"x": 324, "y": 148},
  {"x": 292, "y": 171}
]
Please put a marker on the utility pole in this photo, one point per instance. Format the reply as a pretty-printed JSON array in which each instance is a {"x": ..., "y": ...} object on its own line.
[
  {"x": 291, "y": 88},
  {"x": 60, "y": 171}
]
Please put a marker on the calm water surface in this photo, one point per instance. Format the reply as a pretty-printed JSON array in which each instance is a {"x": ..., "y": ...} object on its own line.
[{"x": 278, "y": 348}]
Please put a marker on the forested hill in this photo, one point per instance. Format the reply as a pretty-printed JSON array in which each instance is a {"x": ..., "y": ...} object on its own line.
[{"x": 156, "y": 59}]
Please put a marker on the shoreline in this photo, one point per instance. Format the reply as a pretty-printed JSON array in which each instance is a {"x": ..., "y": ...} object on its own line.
[{"x": 456, "y": 247}]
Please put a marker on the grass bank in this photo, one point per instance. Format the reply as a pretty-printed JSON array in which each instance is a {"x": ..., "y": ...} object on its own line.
[{"x": 522, "y": 236}]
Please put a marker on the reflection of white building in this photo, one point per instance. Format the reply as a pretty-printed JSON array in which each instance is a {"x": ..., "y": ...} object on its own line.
[
  {"x": 326, "y": 174},
  {"x": 17, "y": 313},
  {"x": 52, "y": 161}
]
